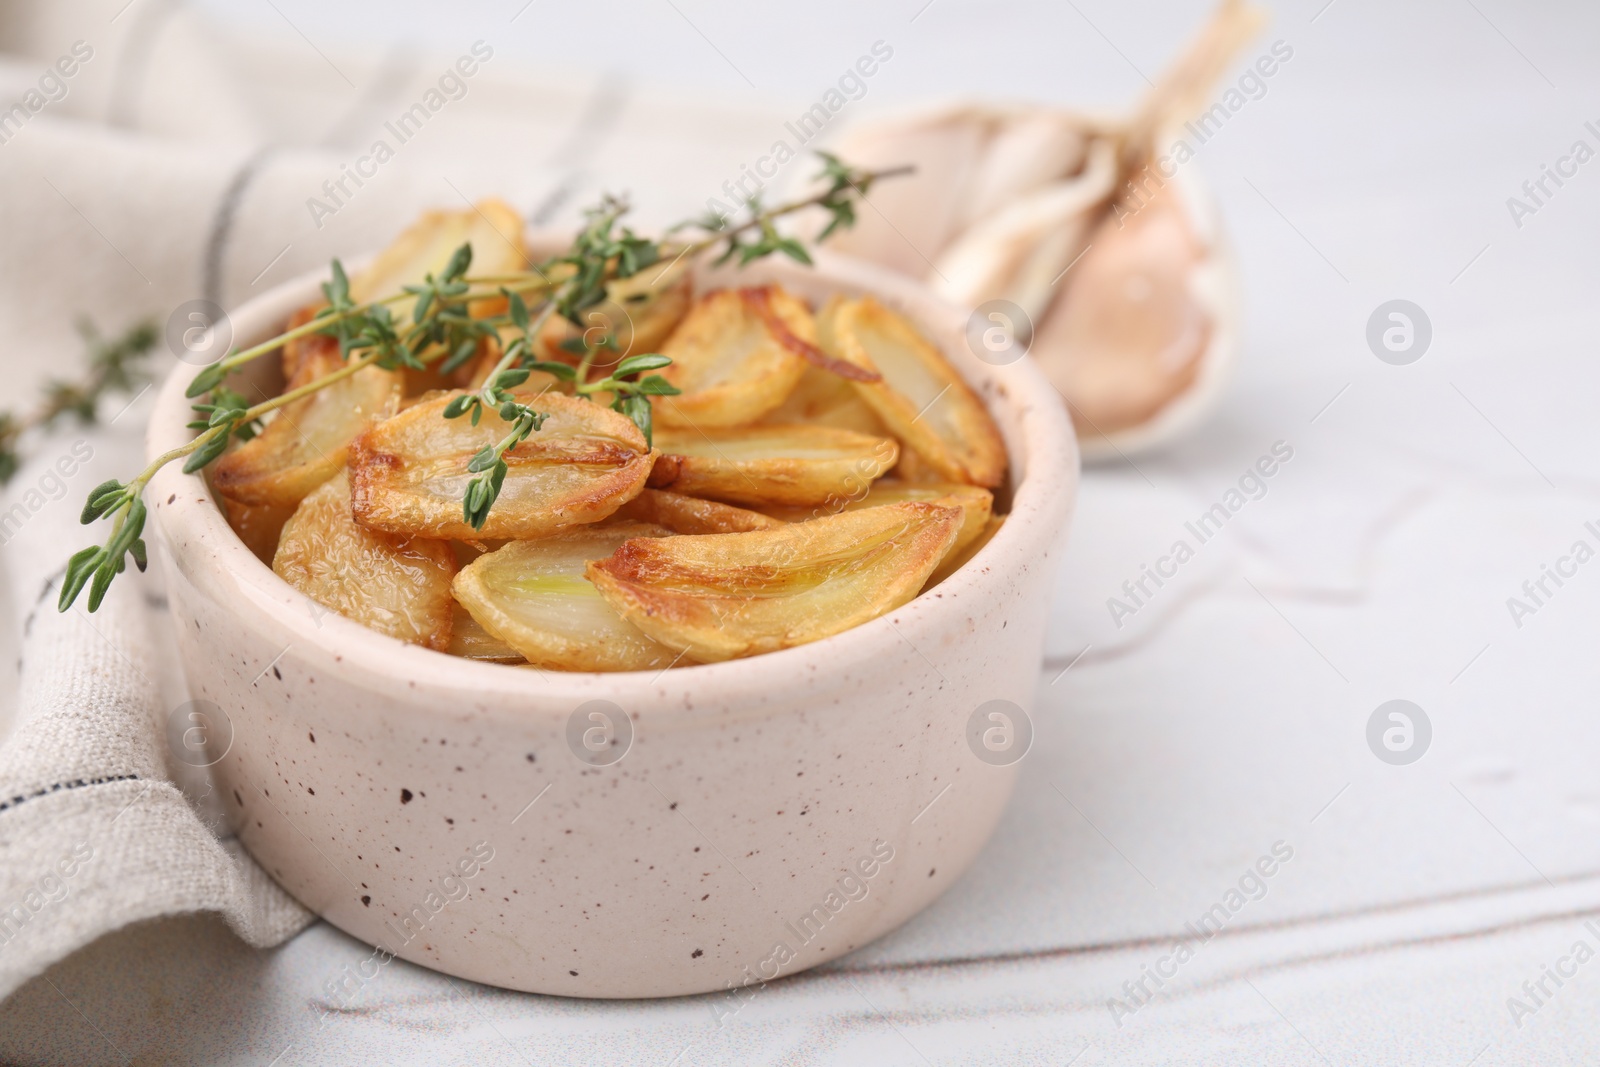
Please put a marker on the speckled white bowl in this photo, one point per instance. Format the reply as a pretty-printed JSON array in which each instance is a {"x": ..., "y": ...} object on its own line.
[{"x": 771, "y": 814}]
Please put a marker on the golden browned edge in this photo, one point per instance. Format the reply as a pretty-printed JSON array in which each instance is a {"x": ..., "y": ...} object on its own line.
[
  {"x": 694, "y": 341},
  {"x": 629, "y": 579},
  {"x": 979, "y": 458},
  {"x": 960, "y": 556},
  {"x": 381, "y": 499},
  {"x": 314, "y": 508},
  {"x": 683, "y": 514},
  {"x": 281, "y": 466},
  {"x": 545, "y": 648},
  {"x": 792, "y": 482}
]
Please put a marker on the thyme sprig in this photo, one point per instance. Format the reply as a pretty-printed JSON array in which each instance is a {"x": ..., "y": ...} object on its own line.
[
  {"x": 845, "y": 186},
  {"x": 490, "y": 464},
  {"x": 123, "y": 503},
  {"x": 443, "y": 329},
  {"x": 115, "y": 366}
]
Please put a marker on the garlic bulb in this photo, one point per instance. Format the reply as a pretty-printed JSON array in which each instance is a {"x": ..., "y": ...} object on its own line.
[{"x": 1110, "y": 248}]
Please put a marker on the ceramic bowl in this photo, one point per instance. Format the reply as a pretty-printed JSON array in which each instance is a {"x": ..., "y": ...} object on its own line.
[{"x": 623, "y": 835}]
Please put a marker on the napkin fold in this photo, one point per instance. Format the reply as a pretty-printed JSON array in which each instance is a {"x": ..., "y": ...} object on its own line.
[{"x": 95, "y": 832}]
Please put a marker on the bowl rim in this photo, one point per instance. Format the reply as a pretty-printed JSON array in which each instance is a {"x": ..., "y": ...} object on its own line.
[{"x": 1040, "y": 445}]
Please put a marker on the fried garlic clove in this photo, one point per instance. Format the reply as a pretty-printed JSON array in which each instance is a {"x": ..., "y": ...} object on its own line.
[
  {"x": 976, "y": 504},
  {"x": 914, "y": 469},
  {"x": 639, "y": 313},
  {"x": 308, "y": 440},
  {"x": 492, "y": 227},
  {"x": 478, "y": 369},
  {"x": 921, "y": 399},
  {"x": 759, "y": 465},
  {"x": 397, "y": 586},
  {"x": 533, "y": 596},
  {"x": 469, "y": 640},
  {"x": 735, "y": 356},
  {"x": 716, "y": 597},
  {"x": 960, "y": 556},
  {"x": 258, "y": 526},
  {"x": 408, "y": 474},
  {"x": 298, "y": 351},
  {"x": 693, "y": 515},
  {"x": 822, "y": 398}
]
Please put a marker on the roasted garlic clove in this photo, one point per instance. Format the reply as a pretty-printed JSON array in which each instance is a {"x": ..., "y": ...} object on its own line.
[
  {"x": 490, "y": 352},
  {"x": 771, "y": 464},
  {"x": 914, "y": 469},
  {"x": 298, "y": 351},
  {"x": 976, "y": 504},
  {"x": 735, "y": 356},
  {"x": 721, "y": 596},
  {"x": 494, "y": 230},
  {"x": 397, "y": 586},
  {"x": 961, "y": 556},
  {"x": 307, "y": 440},
  {"x": 324, "y": 350},
  {"x": 639, "y": 314},
  {"x": 533, "y": 596},
  {"x": 408, "y": 474},
  {"x": 492, "y": 227},
  {"x": 258, "y": 526},
  {"x": 692, "y": 515},
  {"x": 921, "y": 398},
  {"x": 822, "y": 398},
  {"x": 469, "y": 640}
]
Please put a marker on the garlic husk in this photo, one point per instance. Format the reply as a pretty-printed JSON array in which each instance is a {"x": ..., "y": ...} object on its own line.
[
  {"x": 1020, "y": 250},
  {"x": 1131, "y": 297},
  {"x": 1145, "y": 329}
]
